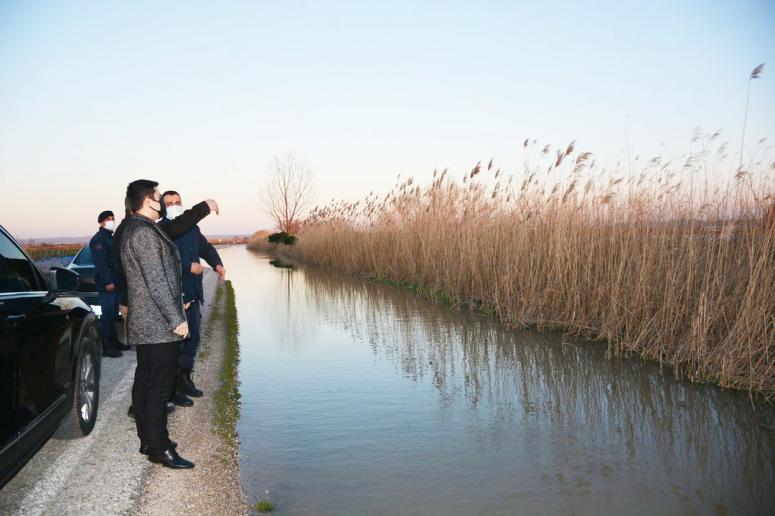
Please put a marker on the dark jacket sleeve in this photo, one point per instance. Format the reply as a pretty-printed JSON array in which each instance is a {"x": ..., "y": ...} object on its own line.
[
  {"x": 187, "y": 220},
  {"x": 184, "y": 249},
  {"x": 208, "y": 252},
  {"x": 99, "y": 253},
  {"x": 118, "y": 267}
]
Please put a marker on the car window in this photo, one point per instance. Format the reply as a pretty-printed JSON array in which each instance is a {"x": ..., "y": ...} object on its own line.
[
  {"x": 84, "y": 256},
  {"x": 17, "y": 273}
]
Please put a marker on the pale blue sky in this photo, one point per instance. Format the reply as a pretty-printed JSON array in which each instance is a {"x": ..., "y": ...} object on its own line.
[{"x": 201, "y": 95}]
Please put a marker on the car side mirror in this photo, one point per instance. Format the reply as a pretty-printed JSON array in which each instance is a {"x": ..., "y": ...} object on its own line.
[{"x": 62, "y": 280}]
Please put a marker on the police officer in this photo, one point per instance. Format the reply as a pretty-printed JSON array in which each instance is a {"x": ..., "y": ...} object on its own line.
[{"x": 101, "y": 246}]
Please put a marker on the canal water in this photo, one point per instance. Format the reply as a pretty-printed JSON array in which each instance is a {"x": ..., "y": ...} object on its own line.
[{"x": 359, "y": 398}]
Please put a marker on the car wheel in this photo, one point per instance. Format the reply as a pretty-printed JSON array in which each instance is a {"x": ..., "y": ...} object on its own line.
[{"x": 83, "y": 416}]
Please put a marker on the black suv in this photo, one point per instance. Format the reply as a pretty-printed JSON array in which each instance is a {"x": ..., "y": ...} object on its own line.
[{"x": 49, "y": 357}]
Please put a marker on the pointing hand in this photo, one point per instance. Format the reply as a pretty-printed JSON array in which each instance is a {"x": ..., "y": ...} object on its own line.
[{"x": 213, "y": 206}]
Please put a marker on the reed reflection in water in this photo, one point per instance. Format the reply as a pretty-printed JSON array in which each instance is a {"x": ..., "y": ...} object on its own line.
[{"x": 359, "y": 398}]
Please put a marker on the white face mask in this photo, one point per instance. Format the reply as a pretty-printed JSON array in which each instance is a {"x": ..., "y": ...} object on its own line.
[
  {"x": 174, "y": 211},
  {"x": 110, "y": 225}
]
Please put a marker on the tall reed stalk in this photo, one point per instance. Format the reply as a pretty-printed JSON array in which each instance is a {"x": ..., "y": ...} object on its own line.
[
  {"x": 685, "y": 279},
  {"x": 755, "y": 74}
]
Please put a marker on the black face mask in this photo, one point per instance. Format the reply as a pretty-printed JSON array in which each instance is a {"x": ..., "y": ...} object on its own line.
[{"x": 162, "y": 211}]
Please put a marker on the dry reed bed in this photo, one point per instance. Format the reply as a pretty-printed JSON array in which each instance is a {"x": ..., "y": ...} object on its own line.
[
  {"x": 642, "y": 261},
  {"x": 41, "y": 251}
]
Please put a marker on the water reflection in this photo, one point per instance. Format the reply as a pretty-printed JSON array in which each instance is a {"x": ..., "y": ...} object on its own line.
[
  {"x": 280, "y": 264},
  {"x": 590, "y": 434},
  {"x": 706, "y": 441}
]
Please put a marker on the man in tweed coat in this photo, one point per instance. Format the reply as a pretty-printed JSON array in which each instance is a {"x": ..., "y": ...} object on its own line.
[{"x": 156, "y": 321}]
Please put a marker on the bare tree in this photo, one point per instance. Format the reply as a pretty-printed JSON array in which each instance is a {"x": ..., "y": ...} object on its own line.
[{"x": 288, "y": 192}]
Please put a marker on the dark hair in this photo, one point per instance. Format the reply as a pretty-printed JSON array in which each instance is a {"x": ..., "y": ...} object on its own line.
[
  {"x": 137, "y": 192},
  {"x": 169, "y": 192}
]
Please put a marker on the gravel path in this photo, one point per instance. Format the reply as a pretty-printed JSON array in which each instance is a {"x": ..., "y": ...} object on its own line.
[
  {"x": 213, "y": 486},
  {"x": 104, "y": 473}
]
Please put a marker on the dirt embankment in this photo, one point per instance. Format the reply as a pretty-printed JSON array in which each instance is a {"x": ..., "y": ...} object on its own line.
[{"x": 205, "y": 433}]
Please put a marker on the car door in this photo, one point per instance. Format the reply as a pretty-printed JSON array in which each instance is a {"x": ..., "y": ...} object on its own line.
[
  {"x": 35, "y": 345},
  {"x": 83, "y": 264},
  {"x": 9, "y": 428}
]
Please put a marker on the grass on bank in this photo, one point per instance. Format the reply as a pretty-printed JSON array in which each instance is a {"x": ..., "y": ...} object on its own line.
[
  {"x": 263, "y": 506},
  {"x": 226, "y": 398},
  {"x": 671, "y": 262}
]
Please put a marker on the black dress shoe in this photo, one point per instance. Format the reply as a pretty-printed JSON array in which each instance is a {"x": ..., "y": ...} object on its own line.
[
  {"x": 108, "y": 350},
  {"x": 188, "y": 385},
  {"x": 171, "y": 459},
  {"x": 170, "y": 407},
  {"x": 145, "y": 449},
  {"x": 193, "y": 392},
  {"x": 117, "y": 344},
  {"x": 181, "y": 400}
]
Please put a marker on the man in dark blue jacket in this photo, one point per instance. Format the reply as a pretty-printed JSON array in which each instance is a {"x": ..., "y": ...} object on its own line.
[
  {"x": 192, "y": 246},
  {"x": 101, "y": 246}
]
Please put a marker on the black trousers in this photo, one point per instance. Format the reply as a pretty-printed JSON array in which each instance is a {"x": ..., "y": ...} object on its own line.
[
  {"x": 190, "y": 346},
  {"x": 155, "y": 374}
]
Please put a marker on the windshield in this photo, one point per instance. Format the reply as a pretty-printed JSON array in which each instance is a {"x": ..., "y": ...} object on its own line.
[
  {"x": 83, "y": 257},
  {"x": 17, "y": 274}
]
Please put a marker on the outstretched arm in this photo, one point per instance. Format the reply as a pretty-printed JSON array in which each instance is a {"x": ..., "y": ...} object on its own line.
[{"x": 188, "y": 219}]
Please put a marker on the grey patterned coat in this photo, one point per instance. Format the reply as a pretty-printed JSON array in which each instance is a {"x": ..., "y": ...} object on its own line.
[{"x": 152, "y": 267}]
